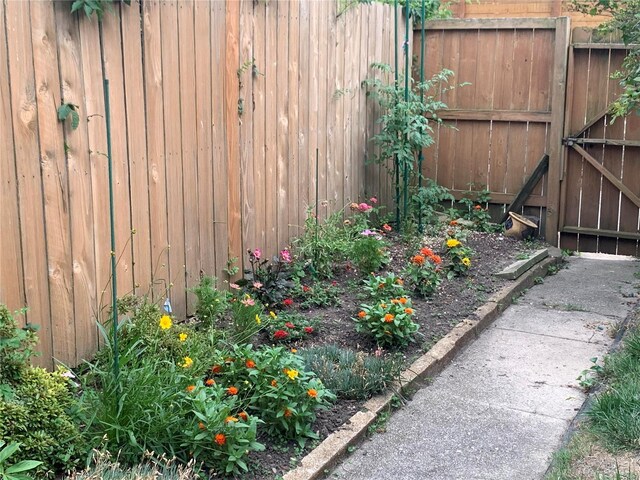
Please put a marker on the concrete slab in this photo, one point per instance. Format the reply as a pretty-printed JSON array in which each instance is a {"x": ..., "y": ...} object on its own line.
[
  {"x": 574, "y": 325},
  {"x": 592, "y": 285},
  {"x": 447, "y": 438},
  {"x": 518, "y": 268}
]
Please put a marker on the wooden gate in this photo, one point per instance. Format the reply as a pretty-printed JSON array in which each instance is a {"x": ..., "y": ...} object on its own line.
[{"x": 600, "y": 181}]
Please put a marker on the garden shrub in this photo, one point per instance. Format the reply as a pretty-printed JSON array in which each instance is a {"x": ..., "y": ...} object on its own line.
[
  {"x": 352, "y": 375},
  {"x": 368, "y": 251},
  {"x": 388, "y": 321},
  {"x": 16, "y": 348},
  {"x": 380, "y": 287},
  {"x": 40, "y": 415},
  {"x": 423, "y": 272},
  {"x": 269, "y": 282},
  {"x": 274, "y": 385},
  {"x": 211, "y": 303}
]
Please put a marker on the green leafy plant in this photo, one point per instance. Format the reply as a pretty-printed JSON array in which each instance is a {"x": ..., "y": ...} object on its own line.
[
  {"x": 17, "y": 470},
  {"x": 423, "y": 272},
  {"x": 389, "y": 322},
  {"x": 67, "y": 110},
  {"x": 319, "y": 294},
  {"x": 211, "y": 303},
  {"x": 381, "y": 287},
  {"x": 16, "y": 348},
  {"x": 589, "y": 377},
  {"x": 290, "y": 326},
  {"x": 274, "y": 385},
  {"x": 350, "y": 374},
  {"x": 428, "y": 201},
  {"x": 97, "y": 7},
  {"x": 459, "y": 258},
  {"x": 269, "y": 282},
  {"x": 477, "y": 211},
  {"x": 247, "y": 319},
  {"x": 368, "y": 251}
]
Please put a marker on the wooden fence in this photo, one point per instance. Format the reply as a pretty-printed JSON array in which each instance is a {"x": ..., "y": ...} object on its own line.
[{"x": 217, "y": 110}]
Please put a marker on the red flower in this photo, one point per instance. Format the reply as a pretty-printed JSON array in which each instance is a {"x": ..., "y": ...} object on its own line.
[
  {"x": 216, "y": 369},
  {"x": 287, "y": 302},
  {"x": 308, "y": 329},
  {"x": 280, "y": 335},
  {"x": 334, "y": 283},
  {"x": 243, "y": 416},
  {"x": 220, "y": 439},
  {"x": 478, "y": 207},
  {"x": 289, "y": 325},
  {"x": 287, "y": 412},
  {"x": 306, "y": 288}
]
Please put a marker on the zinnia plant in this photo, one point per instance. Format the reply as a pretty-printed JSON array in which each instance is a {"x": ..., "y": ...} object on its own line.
[
  {"x": 390, "y": 321},
  {"x": 459, "y": 258},
  {"x": 423, "y": 272}
]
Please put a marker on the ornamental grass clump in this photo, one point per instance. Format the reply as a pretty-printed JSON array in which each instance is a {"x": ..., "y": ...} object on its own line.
[
  {"x": 423, "y": 272},
  {"x": 352, "y": 375},
  {"x": 390, "y": 322},
  {"x": 459, "y": 258}
]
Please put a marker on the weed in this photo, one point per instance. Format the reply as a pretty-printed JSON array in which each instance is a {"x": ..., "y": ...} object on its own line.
[
  {"x": 538, "y": 280},
  {"x": 589, "y": 377}
]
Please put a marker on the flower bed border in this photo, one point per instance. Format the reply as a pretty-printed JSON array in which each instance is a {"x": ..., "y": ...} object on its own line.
[{"x": 317, "y": 462}]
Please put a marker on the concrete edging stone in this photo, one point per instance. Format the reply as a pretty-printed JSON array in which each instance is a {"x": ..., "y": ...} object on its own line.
[{"x": 316, "y": 463}]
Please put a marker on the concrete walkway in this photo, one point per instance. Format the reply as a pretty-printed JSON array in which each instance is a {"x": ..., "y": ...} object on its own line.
[{"x": 500, "y": 409}]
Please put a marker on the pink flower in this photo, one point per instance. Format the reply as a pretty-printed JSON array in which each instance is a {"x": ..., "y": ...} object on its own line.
[
  {"x": 286, "y": 256},
  {"x": 386, "y": 227},
  {"x": 308, "y": 329},
  {"x": 289, "y": 325},
  {"x": 334, "y": 283},
  {"x": 257, "y": 285},
  {"x": 305, "y": 288},
  {"x": 235, "y": 286},
  {"x": 373, "y": 200},
  {"x": 257, "y": 253},
  {"x": 248, "y": 302},
  {"x": 363, "y": 207},
  {"x": 287, "y": 302}
]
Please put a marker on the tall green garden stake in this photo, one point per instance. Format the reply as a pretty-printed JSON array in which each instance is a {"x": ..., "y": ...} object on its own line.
[
  {"x": 396, "y": 164},
  {"x": 405, "y": 180},
  {"x": 112, "y": 222},
  {"x": 420, "y": 157}
]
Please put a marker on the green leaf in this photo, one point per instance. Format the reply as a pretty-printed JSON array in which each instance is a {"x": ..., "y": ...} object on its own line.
[
  {"x": 9, "y": 450},
  {"x": 23, "y": 466}
]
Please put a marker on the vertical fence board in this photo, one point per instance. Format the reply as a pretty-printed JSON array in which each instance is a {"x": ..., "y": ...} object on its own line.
[
  {"x": 136, "y": 130},
  {"x": 259, "y": 125},
  {"x": 11, "y": 278},
  {"x": 173, "y": 155},
  {"x": 305, "y": 156},
  {"x": 282, "y": 124},
  {"x": 293, "y": 186},
  {"x": 27, "y": 153},
  {"x": 189, "y": 143}
]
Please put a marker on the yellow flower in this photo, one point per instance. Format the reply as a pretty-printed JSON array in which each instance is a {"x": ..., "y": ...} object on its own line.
[
  {"x": 273, "y": 315},
  {"x": 292, "y": 374},
  {"x": 294, "y": 350},
  {"x": 165, "y": 322},
  {"x": 258, "y": 321},
  {"x": 466, "y": 262},
  {"x": 182, "y": 337},
  {"x": 452, "y": 242},
  {"x": 188, "y": 362}
]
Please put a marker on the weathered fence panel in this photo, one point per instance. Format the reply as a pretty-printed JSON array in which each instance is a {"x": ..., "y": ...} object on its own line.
[{"x": 217, "y": 110}]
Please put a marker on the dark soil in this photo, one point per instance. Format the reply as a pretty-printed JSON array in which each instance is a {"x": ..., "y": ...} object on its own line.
[{"x": 455, "y": 300}]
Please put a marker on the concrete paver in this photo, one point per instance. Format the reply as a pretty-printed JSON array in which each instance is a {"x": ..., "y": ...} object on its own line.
[{"x": 500, "y": 409}]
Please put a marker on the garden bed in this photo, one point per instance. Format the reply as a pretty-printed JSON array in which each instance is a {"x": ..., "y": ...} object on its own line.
[{"x": 455, "y": 300}]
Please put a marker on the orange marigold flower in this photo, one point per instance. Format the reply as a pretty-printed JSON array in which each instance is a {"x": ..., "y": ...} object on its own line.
[
  {"x": 274, "y": 383},
  {"x": 312, "y": 392},
  {"x": 230, "y": 419},
  {"x": 409, "y": 311},
  {"x": 232, "y": 390},
  {"x": 403, "y": 300},
  {"x": 210, "y": 382},
  {"x": 191, "y": 388},
  {"x": 243, "y": 416},
  {"x": 216, "y": 369},
  {"x": 426, "y": 251},
  {"x": 220, "y": 439},
  {"x": 287, "y": 412},
  {"x": 388, "y": 318},
  {"x": 201, "y": 426},
  {"x": 418, "y": 259},
  {"x": 362, "y": 314},
  {"x": 250, "y": 364}
]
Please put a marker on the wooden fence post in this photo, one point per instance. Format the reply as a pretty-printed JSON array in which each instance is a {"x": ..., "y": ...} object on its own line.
[{"x": 556, "y": 151}]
